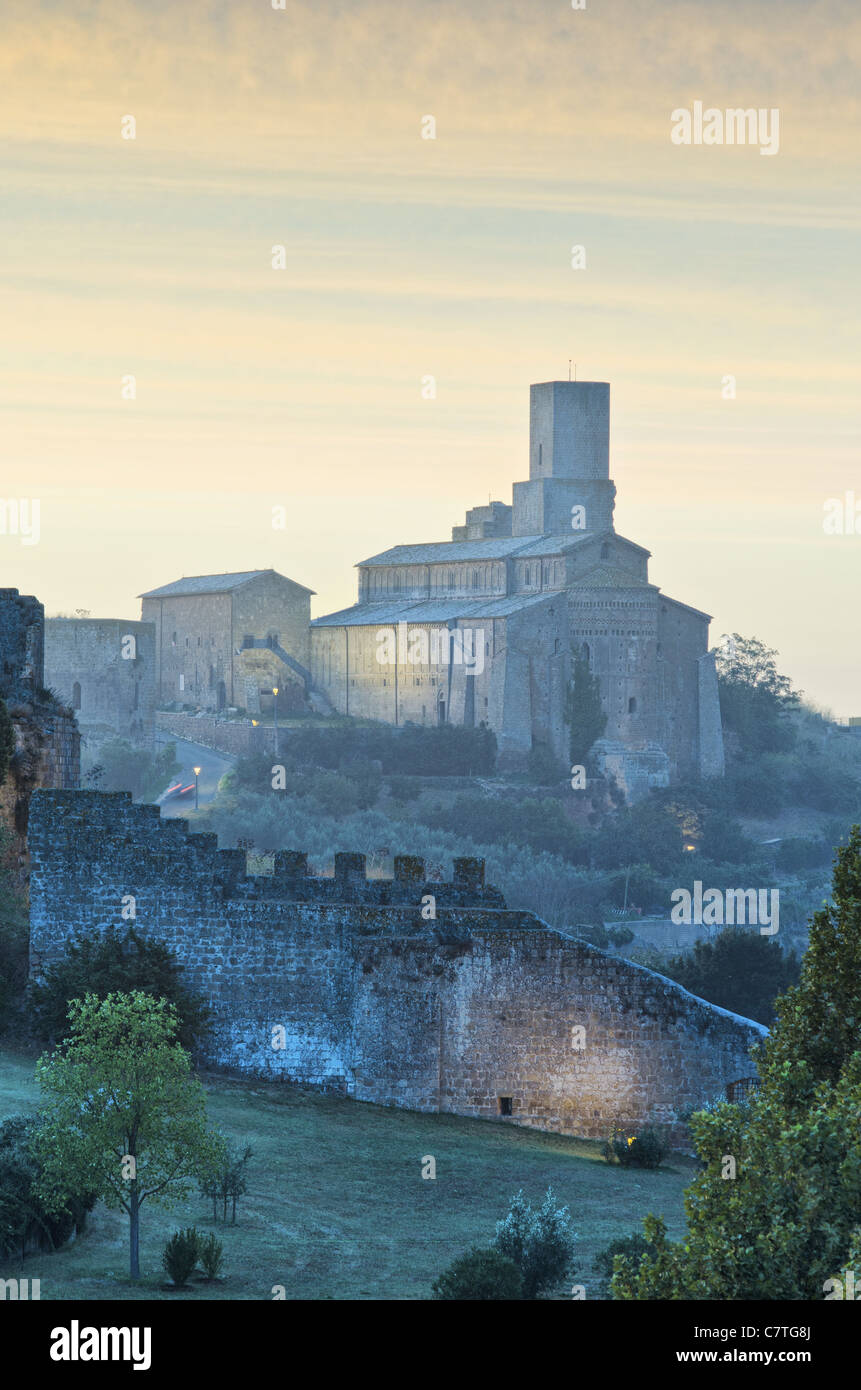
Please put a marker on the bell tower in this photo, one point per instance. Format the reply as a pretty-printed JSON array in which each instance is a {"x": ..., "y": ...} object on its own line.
[{"x": 569, "y": 489}]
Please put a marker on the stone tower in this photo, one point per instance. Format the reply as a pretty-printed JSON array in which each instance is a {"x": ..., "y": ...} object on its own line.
[{"x": 569, "y": 491}]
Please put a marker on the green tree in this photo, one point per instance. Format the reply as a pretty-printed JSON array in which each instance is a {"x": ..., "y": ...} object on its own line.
[
  {"x": 116, "y": 961},
  {"x": 740, "y": 970},
  {"x": 754, "y": 697},
  {"x": 773, "y": 1214},
  {"x": 541, "y": 1243},
  {"x": 584, "y": 713},
  {"x": 122, "y": 1113}
]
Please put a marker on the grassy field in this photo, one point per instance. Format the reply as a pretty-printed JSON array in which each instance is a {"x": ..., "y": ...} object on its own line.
[{"x": 337, "y": 1207}]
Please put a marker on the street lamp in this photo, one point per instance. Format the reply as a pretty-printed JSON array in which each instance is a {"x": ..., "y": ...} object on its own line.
[
  {"x": 275, "y": 716},
  {"x": 196, "y": 771}
]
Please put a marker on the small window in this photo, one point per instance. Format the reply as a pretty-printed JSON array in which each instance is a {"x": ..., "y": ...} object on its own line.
[
  {"x": 182, "y": 682},
  {"x": 76, "y": 695},
  {"x": 605, "y": 551},
  {"x": 540, "y": 456},
  {"x": 451, "y": 579},
  {"x": 632, "y": 705},
  {"x": 505, "y": 1105}
]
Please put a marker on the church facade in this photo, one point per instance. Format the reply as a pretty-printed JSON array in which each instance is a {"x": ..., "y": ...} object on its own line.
[{"x": 484, "y": 628}]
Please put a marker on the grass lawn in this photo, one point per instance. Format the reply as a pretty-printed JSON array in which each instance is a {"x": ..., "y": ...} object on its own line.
[{"x": 337, "y": 1207}]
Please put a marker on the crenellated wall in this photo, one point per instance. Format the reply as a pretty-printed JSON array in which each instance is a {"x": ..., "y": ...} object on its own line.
[{"x": 349, "y": 982}]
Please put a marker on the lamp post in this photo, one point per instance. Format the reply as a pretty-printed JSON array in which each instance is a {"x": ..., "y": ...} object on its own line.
[
  {"x": 196, "y": 771},
  {"x": 275, "y": 716}
]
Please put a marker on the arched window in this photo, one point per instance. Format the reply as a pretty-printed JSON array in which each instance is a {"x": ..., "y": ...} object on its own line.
[
  {"x": 76, "y": 695},
  {"x": 632, "y": 705}
]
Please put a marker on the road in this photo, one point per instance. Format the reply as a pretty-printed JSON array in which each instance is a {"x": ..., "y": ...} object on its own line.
[{"x": 191, "y": 755}]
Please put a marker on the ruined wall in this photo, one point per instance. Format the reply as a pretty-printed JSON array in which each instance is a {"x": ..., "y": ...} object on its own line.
[
  {"x": 450, "y": 1014},
  {"x": 105, "y": 669}
]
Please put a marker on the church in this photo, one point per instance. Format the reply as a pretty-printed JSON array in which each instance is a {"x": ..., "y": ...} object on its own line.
[{"x": 484, "y": 628}]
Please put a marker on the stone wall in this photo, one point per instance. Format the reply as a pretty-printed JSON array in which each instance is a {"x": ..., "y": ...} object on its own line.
[
  {"x": 105, "y": 669},
  {"x": 224, "y": 735},
  {"x": 476, "y": 1006}
]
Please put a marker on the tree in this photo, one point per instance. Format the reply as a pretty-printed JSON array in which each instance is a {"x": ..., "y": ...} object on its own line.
[
  {"x": 740, "y": 970},
  {"x": 116, "y": 961},
  {"x": 754, "y": 697},
  {"x": 228, "y": 1181},
  {"x": 541, "y": 1243},
  {"x": 774, "y": 1213},
  {"x": 122, "y": 1112},
  {"x": 24, "y": 1221},
  {"x": 584, "y": 713}
]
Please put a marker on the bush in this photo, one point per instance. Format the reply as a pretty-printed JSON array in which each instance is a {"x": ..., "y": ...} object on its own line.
[
  {"x": 648, "y": 1149},
  {"x": 125, "y": 768},
  {"x": 24, "y": 1221},
  {"x": 480, "y": 1274},
  {"x": 632, "y": 1248},
  {"x": 541, "y": 1243},
  {"x": 740, "y": 970},
  {"x": 210, "y": 1255},
  {"x": 181, "y": 1255},
  {"x": 116, "y": 961},
  {"x": 403, "y": 788}
]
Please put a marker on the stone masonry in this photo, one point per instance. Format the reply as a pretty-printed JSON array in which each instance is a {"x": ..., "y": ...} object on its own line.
[{"x": 341, "y": 982}]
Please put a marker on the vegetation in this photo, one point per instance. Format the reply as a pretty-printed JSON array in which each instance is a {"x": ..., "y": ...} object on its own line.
[
  {"x": 228, "y": 1181},
  {"x": 480, "y": 1274},
  {"x": 122, "y": 1113},
  {"x": 117, "y": 961},
  {"x": 25, "y": 1222},
  {"x": 583, "y": 712},
  {"x": 181, "y": 1255},
  {"x": 539, "y": 1242},
  {"x": 633, "y": 1248},
  {"x": 740, "y": 970},
  {"x": 120, "y": 767},
  {"x": 311, "y": 1221},
  {"x": 648, "y": 1149},
  {"x": 774, "y": 1213}
]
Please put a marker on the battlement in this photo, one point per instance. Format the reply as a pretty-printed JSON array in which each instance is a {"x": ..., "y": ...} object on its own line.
[
  {"x": 82, "y": 832},
  {"x": 22, "y": 645}
]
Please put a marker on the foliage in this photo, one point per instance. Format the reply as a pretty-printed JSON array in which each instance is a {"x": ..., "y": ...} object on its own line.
[
  {"x": 740, "y": 970},
  {"x": 544, "y": 766},
  {"x": 480, "y": 1274},
  {"x": 648, "y": 1149},
  {"x": 584, "y": 712},
  {"x": 210, "y": 1255},
  {"x": 119, "y": 960},
  {"x": 124, "y": 768},
  {"x": 540, "y": 1242},
  {"x": 181, "y": 1255},
  {"x": 227, "y": 1181},
  {"x": 121, "y": 1089},
  {"x": 784, "y": 1223},
  {"x": 754, "y": 697},
  {"x": 413, "y": 749},
  {"x": 632, "y": 1249},
  {"x": 7, "y": 741},
  {"x": 24, "y": 1220}
]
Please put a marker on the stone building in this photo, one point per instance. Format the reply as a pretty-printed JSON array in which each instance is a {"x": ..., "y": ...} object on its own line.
[
  {"x": 104, "y": 669},
  {"x": 47, "y": 740},
  {"x": 341, "y": 982},
  {"x": 224, "y": 640},
  {"x": 484, "y": 628}
]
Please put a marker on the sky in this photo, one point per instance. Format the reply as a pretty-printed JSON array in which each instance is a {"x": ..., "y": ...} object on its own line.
[{"x": 405, "y": 257}]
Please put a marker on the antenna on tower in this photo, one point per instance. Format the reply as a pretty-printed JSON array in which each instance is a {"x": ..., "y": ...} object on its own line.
[{"x": 569, "y": 368}]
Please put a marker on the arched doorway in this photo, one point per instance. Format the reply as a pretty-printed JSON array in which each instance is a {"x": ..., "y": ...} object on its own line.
[{"x": 440, "y": 708}]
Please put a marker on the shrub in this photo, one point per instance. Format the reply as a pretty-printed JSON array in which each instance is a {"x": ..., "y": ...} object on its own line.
[
  {"x": 648, "y": 1149},
  {"x": 227, "y": 1182},
  {"x": 541, "y": 1243},
  {"x": 24, "y": 1221},
  {"x": 632, "y": 1249},
  {"x": 402, "y": 788},
  {"x": 181, "y": 1255},
  {"x": 740, "y": 970},
  {"x": 116, "y": 962},
  {"x": 480, "y": 1274},
  {"x": 210, "y": 1255}
]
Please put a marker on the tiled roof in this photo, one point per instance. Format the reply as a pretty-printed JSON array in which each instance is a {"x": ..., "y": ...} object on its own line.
[
  {"x": 212, "y": 584},
  {"x": 432, "y": 610}
]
